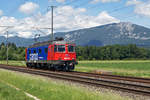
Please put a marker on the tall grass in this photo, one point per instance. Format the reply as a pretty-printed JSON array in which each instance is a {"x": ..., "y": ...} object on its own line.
[
  {"x": 53, "y": 90},
  {"x": 9, "y": 93}
]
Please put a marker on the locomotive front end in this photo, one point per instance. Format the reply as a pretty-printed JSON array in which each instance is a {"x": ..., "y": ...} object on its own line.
[{"x": 66, "y": 56}]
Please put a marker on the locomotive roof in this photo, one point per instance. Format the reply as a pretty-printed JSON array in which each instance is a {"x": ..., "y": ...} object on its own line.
[{"x": 48, "y": 43}]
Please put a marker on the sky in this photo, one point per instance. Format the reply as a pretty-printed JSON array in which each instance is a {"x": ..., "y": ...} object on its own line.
[{"x": 30, "y": 17}]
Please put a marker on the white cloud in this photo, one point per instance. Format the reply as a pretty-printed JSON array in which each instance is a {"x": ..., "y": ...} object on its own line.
[
  {"x": 25, "y": 34},
  {"x": 60, "y": 1},
  {"x": 1, "y": 12},
  {"x": 103, "y": 1},
  {"x": 95, "y": 1},
  {"x": 66, "y": 18},
  {"x": 71, "y": 19},
  {"x": 28, "y": 8},
  {"x": 141, "y": 8},
  {"x": 133, "y": 2}
]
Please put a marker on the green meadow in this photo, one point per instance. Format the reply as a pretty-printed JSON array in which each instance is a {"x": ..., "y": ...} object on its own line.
[
  {"x": 46, "y": 89},
  {"x": 139, "y": 68}
]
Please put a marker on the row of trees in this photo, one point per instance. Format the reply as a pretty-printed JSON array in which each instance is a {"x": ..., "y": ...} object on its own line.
[
  {"x": 15, "y": 53},
  {"x": 113, "y": 52}
]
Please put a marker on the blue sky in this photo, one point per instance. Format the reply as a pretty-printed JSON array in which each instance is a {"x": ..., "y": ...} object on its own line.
[{"x": 71, "y": 14}]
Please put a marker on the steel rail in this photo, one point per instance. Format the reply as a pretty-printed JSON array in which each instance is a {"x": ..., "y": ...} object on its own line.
[{"x": 115, "y": 77}]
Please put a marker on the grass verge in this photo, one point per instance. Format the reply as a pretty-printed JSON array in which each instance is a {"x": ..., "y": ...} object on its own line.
[
  {"x": 52, "y": 90},
  {"x": 9, "y": 93},
  {"x": 14, "y": 63}
]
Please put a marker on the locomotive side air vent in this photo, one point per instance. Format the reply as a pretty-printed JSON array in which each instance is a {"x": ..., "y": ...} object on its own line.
[{"x": 59, "y": 38}]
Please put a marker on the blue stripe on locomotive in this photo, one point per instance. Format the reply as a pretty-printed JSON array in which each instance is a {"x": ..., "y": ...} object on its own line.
[{"x": 37, "y": 56}]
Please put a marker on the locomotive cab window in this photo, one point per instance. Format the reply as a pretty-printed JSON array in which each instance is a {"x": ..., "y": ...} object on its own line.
[
  {"x": 34, "y": 51},
  {"x": 29, "y": 51},
  {"x": 40, "y": 51},
  {"x": 46, "y": 50},
  {"x": 55, "y": 48},
  {"x": 59, "y": 48},
  {"x": 71, "y": 48}
]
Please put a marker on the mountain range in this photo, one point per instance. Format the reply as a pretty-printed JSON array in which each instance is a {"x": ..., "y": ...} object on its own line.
[{"x": 116, "y": 33}]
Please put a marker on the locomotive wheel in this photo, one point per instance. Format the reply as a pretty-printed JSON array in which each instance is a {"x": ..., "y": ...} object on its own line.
[
  {"x": 51, "y": 67},
  {"x": 28, "y": 65},
  {"x": 38, "y": 66},
  {"x": 66, "y": 69},
  {"x": 34, "y": 65}
]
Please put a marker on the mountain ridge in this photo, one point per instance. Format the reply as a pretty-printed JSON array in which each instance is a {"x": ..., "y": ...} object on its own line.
[{"x": 116, "y": 33}]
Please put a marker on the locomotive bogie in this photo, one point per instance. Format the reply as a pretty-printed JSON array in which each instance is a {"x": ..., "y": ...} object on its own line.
[{"x": 56, "y": 65}]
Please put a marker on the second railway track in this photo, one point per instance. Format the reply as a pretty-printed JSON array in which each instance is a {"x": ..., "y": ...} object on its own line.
[
  {"x": 93, "y": 79},
  {"x": 115, "y": 77}
]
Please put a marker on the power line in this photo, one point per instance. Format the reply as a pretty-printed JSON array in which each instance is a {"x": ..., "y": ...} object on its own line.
[
  {"x": 117, "y": 9},
  {"x": 7, "y": 46},
  {"x": 84, "y": 3},
  {"x": 73, "y": 1},
  {"x": 111, "y": 11}
]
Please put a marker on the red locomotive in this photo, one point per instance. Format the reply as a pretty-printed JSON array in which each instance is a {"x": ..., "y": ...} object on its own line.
[{"x": 56, "y": 55}]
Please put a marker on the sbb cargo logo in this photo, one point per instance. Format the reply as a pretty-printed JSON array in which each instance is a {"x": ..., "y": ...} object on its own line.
[{"x": 34, "y": 56}]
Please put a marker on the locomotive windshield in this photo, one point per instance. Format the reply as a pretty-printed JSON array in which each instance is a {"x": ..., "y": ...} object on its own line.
[
  {"x": 71, "y": 48},
  {"x": 59, "y": 48}
]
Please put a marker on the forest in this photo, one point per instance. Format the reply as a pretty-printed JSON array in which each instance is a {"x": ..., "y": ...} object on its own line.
[{"x": 110, "y": 52}]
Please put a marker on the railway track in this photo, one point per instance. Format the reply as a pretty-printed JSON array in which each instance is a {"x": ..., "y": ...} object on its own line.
[
  {"x": 115, "y": 77},
  {"x": 90, "y": 79}
]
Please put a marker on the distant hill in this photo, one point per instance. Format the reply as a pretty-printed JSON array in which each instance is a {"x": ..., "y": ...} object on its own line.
[{"x": 116, "y": 33}]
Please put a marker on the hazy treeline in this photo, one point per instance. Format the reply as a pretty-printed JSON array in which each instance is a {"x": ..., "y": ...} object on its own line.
[
  {"x": 15, "y": 53},
  {"x": 113, "y": 52}
]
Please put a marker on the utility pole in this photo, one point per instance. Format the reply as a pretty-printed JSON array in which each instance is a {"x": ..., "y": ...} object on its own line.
[
  {"x": 7, "y": 27},
  {"x": 7, "y": 45},
  {"x": 52, "y": 7}
]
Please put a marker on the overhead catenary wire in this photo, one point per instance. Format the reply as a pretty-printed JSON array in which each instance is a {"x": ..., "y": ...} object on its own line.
[
  {"x": 112, "y": 11},
  {"x": 71, "y": 2}
]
